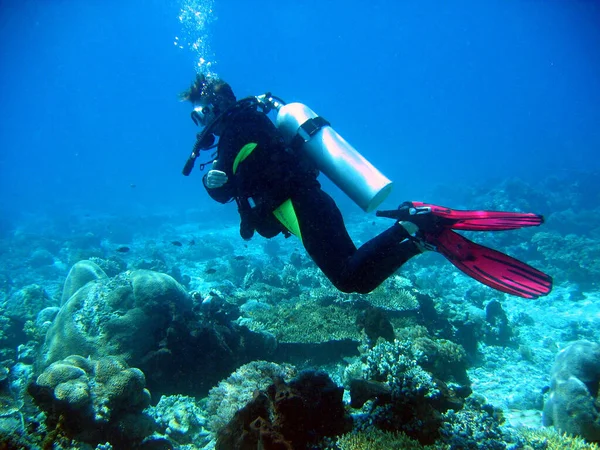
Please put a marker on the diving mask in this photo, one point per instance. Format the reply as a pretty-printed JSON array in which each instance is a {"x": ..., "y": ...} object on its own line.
[{"x": 202, "y": 115}]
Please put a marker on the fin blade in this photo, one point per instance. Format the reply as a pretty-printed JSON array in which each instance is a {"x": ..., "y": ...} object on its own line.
[
  {"x": 491, "y": 267},
  {"x": 470, "y": 220}
]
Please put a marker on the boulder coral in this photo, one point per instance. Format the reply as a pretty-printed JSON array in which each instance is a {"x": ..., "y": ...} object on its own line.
[
  {"x": 147, "y": 319},
  {"x": 573, "y": 399},
  {"x": 25, "y": 303},
  {"x": 80, "y": 274},
  {"x": 103, "y": 387},
  {"x": 92, "y": 399},
  {"x": 123, "y": 316}
]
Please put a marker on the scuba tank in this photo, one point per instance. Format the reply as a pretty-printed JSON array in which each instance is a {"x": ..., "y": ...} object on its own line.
[{"x": 303, "y": 129}]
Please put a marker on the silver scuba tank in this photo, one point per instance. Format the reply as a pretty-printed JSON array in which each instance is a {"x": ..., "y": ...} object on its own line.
[{"x": 337, "y": 159}]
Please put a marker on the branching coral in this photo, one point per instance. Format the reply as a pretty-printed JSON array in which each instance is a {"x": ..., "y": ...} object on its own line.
[
  {"x": 475, "y": 426},
  {"x": 417, "y": 396},
  {"x": 395, "y": 363},
  {"x": 180, "y": 418}
]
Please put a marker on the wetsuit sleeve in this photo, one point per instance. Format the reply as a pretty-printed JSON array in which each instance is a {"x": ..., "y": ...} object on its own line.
[{"x": 224, "y": 193}]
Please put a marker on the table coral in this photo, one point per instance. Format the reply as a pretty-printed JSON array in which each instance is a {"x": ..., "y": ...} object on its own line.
[{"x": 306, "y": 322}]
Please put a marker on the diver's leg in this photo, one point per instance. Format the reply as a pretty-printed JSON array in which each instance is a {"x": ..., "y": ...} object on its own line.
[
  {"x": 324, "y": 234},
  {"x": 326, "y": 240},
  {"x": 379, "y": 258}
]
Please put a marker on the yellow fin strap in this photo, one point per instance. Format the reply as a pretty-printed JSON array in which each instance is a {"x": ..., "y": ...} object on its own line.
[
  {"x": 243, "y": 154},
  {"x": 286, "y": 214}
]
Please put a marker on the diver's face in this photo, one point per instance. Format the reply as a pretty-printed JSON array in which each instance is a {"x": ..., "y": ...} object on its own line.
[{"x": 204, "y": 114}]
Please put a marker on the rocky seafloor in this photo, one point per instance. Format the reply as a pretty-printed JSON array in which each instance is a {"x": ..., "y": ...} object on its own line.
[{"x": 163, "y": 331}]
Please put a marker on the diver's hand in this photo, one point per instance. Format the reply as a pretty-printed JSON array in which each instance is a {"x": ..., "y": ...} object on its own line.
[{"x": 215, "y": 179}]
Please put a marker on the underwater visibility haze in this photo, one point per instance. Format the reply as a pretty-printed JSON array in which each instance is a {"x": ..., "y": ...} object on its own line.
[{"x": 134, "y": 316}]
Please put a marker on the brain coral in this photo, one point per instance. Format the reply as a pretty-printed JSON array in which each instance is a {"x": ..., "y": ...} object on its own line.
[
  {"x": 97, "y": 388},
  {"x": 95, "y": 400}
]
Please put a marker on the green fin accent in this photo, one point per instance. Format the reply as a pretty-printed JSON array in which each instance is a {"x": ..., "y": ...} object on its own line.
[
  {"x": 243, "y": 154},
  {"x": 286, "y": 214}
]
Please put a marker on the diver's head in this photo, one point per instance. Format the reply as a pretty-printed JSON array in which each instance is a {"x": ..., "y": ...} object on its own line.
[{"x": 211, "y": 96}]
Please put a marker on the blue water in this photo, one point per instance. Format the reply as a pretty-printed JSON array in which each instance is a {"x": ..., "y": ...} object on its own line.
[
  {"x": 469, "y": 104},
  {"x": 431, "y": 92}
]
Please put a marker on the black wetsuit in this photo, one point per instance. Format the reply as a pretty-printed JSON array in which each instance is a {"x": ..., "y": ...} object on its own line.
[{"x": 270, "y": 175}]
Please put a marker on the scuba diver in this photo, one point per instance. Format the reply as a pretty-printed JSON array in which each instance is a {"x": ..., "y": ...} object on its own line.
[{"x": 270, "y": 168}]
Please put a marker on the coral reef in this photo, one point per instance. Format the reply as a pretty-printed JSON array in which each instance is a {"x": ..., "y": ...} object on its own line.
[
  {"x": 476, "y": 426},
  {"x": 394, "y": 295},
  {"x": 550, "y": 439},
  {"x": 290, "y": 416},
  {"x": 499, "y": 330},
  {"x": 231, "y": 394},
  {"x": 570, "y": 257},
  {"x": 361, "y": 391},
  {"x": 376, "y": 324},
  {"x": 95, "y": 400},
  {"x": 123, "y": 316},
  {"x": 572, "y": 403},
  {"x": 81, "y": 273},
  {"x": 416, "y": 396},
  {"x": 409, "y": 393},
  {"x": 25, "y": 303},
  {"x": 413, "y": 392},
  {"x": 302, "y": 321},
  {"x": 181, "y": 419},
  {"x": 148, "y": 319},
  {"x": 445, "y": 359},
  {"x": 110, "y": 266}
]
